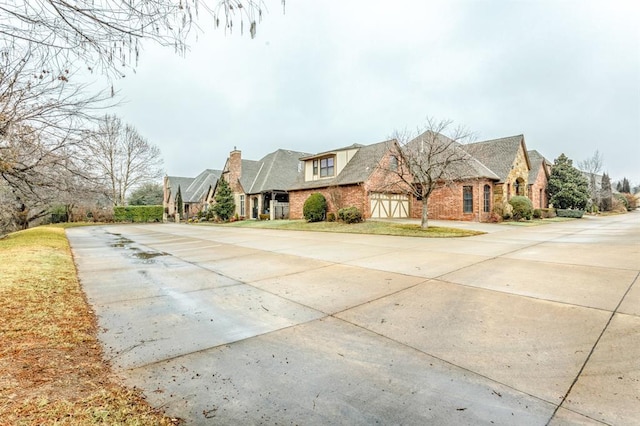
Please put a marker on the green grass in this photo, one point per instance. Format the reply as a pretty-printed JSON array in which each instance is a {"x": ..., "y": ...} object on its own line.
[
  {"x": 537, "y": 222},
  {"x": 367, "y": 227}
]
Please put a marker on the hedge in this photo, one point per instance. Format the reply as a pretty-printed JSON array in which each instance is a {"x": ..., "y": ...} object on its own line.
[
  {"x": 137, "y": 214},
  {"x": 569, "y": 213}
]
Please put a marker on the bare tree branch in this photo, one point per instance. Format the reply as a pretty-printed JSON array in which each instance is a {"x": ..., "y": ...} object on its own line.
[{"x": 427, "y": 159}]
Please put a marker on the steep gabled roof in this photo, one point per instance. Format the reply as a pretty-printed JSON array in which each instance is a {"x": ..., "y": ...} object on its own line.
[
  {"x": 193, "y": 189},
  {"x": 497, "y": 154},
  {"x": 178, "y": 183},
  {"x": 276, "y": 171},
  {"x": 451, "y": 154},
  {"x": 537, "y": 161},
  {"x": 199, "y": 186},
  {"x": 358, "y": 170}
]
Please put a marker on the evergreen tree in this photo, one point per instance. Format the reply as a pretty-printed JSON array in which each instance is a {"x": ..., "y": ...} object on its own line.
[
  {"x": 606, "y": 196},
  {"x": 626, "y": 187},
  {"x": 225, "y": 206},
  {"x": 180, "y": 204},
  {"x": 149, "y": 194},
  {"x": 568, "y": 188}
]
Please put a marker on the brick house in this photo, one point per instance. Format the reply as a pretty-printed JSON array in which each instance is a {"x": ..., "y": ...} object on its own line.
[
  {"x": 262, "y": 186},
  {"x": 193, "y": 192},
  {"x": 352, "y": 176},
  {"x": 358, "y": 175},
  {"x": 509, "y": 160}
]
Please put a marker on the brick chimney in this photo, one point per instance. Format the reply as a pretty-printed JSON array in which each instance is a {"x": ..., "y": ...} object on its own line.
[{"x": 235, "y": 168}]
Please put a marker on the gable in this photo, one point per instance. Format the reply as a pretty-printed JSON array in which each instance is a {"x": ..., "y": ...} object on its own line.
[{"x": 500, "y": 155}]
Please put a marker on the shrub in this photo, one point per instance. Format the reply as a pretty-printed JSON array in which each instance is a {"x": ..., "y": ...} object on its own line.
[
  {"x": 537, "y": 213},
  {"x": 548, "y": 213},
  {"x": 570, "y": 213},
  {"x": 621, "y": 200},
  {"x": 263, "y": 216},
  {"x": 631, "y": 201},
  {"x": 350, "y": 215},
  {"x": 315, "y": 207},
  {"x": 331, "y": 217},
  {"x": 522, "y": 207},
  {"x": 137, "y": 214}
]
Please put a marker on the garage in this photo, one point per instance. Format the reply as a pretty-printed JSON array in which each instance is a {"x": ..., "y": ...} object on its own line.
[{"x": 389, "y": 206}]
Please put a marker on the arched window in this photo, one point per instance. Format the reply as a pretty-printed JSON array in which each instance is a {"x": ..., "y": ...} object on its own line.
[{"x": 519, "y": 186}]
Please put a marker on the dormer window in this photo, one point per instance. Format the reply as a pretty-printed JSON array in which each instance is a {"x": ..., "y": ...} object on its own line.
[{"x": 325, "y": 167}]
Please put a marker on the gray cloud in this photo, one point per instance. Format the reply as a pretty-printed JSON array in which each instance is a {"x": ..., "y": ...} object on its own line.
[{"x": 566, "y": 74}]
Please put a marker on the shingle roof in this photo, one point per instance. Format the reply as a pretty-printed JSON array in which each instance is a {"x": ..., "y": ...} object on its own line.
[
  {"x": 497, "y": 154},
  {"x": 194, "y": 189},
  {"x": 537, "y": 161},
  {"x": 177, "y": 182},
  {"x": 198, "y": 188},
  {"x": 355, "y": 171},
  {"x": 275, "y": 171},
  {"x": 461, "y": 165}
]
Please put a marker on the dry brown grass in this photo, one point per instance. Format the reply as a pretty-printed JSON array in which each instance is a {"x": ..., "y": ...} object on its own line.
[{"x": 51, "y": 365}]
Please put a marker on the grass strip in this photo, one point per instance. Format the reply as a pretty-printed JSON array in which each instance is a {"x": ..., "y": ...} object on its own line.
[
  {"x": 51, "y": 365},
  {"x": 367, "y": 227}
]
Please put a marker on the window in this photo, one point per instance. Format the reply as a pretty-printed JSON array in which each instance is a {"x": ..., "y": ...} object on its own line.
[
  {"x": 393, "y": 163},
  {"x": 315, "y": 167},
  {"x": 242, "y": 205},
  {"x": 487, "y": 199},
  {"x": 326, "y": 167},
  {"x": 467, "y": 199}
]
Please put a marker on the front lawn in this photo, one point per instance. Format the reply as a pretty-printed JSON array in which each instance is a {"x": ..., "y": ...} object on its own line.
[
  {"x": 367, "y": 227},
  {"x": 51, "y": 366}
]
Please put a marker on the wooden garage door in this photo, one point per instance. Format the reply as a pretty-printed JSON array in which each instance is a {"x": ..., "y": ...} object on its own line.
[{"x": 385, "y": 206}]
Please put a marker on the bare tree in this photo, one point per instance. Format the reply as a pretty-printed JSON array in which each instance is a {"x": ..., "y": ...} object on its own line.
[
  {"x": 427, "y": 159},
  {"x": 108, "y": 33},
  {"x": 42, "y": 117},
  {"x": 592, "y": 166},
  {"x": 122, "y": 159}
]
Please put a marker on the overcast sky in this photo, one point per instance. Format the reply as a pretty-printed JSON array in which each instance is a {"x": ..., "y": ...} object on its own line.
[{"x": 323, "y": 75}]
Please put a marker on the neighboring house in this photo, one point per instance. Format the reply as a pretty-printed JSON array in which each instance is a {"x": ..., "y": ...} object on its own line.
[
  {"x": 507, "y": 158},
  {"x": 352, "y": 176},
  {"x": 467, "y": 193},
  {"x": 538, "y": 180},
  {"x": 262, "y": 187},
  {"x": 193, "y": 192}
]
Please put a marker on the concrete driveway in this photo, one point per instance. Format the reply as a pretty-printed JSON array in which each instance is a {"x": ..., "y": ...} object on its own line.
[{"x": 523, "y": 325}]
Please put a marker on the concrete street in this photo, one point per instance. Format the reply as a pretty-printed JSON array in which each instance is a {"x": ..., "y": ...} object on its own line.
[{"x": 523, "y": 325}]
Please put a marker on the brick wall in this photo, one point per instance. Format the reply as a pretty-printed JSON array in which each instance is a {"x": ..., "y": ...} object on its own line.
[
  {"x": 446, "y": 203},
  {"x": 337, "y": 197},
  {"x": 538, "y": 190}
]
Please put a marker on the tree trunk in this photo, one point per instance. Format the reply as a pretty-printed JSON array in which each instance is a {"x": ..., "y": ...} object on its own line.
[{"x": 424, "y": 223}]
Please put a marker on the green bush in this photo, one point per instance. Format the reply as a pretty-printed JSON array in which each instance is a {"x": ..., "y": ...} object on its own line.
[
  {"x": 537, "y": 213},
  {"x": 137, "y": 213},
  {"x": 331, "y": 217},
  {"x": 548, "y": 213},
  {"x": 350, "y": 215},
  {"x": 570, "y": 213},
  {"x": 522, "y": 207},
  {"x": 315, "y": 207}
]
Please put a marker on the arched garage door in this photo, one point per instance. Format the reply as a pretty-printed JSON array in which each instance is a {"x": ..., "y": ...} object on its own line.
[{"x": 387, "y": 206}]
